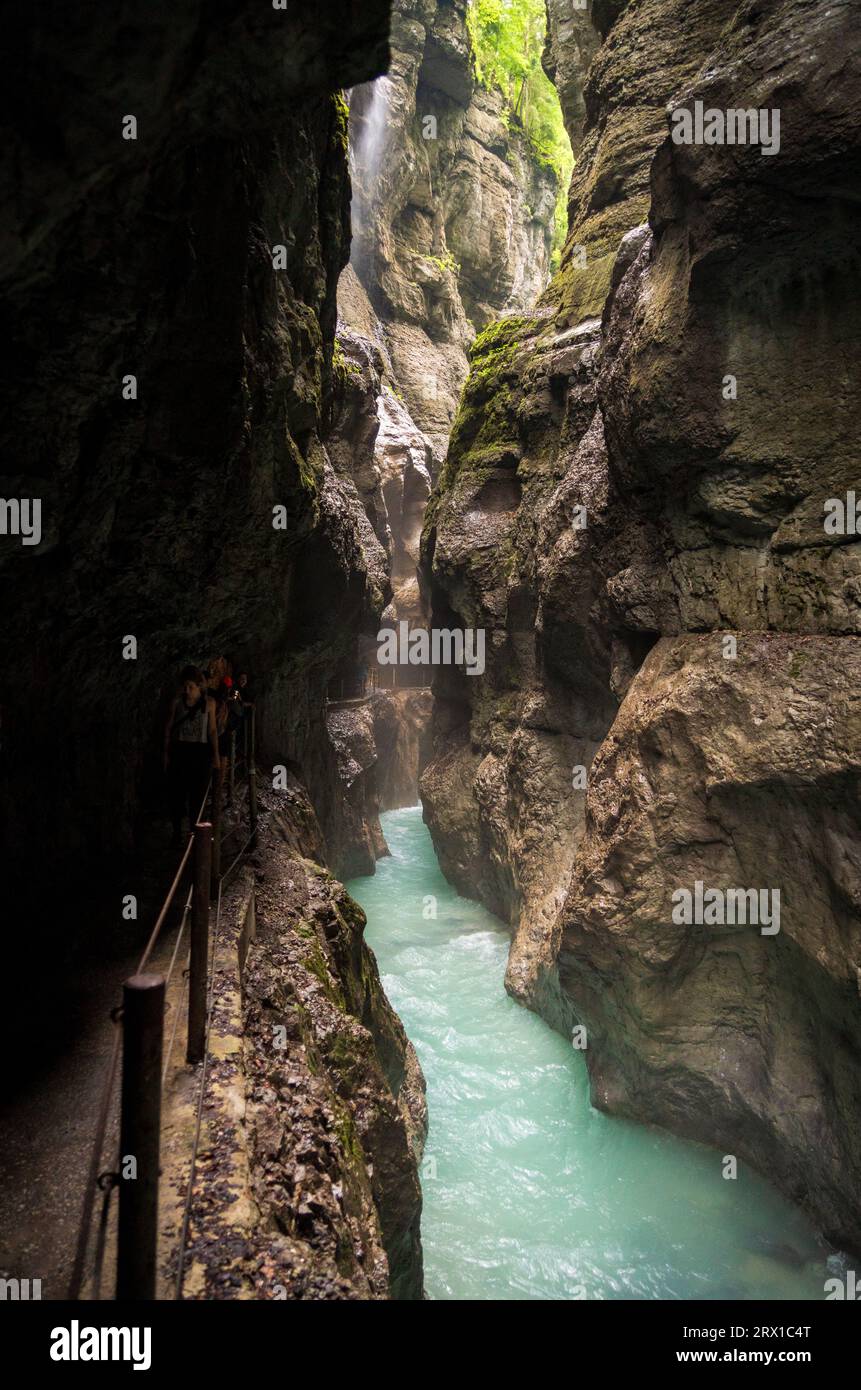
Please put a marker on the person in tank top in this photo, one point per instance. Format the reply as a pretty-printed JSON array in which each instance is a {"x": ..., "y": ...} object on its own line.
[{"x": 190, "y": 749}]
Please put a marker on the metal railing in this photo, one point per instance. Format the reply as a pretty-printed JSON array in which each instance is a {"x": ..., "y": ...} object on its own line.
[
  {"x": 138, "y": 1040},
  {"x": 357, "y": 693}
]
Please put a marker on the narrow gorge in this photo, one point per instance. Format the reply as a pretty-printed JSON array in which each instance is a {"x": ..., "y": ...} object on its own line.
[
  {"x": 475, "y": 382},
  {"x": 666, "y": 609}
]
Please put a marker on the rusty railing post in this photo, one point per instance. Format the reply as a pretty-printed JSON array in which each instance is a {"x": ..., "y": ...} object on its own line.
[
  {"x": 217, "y": 799},
  {"x": 202, "y": 870},
  {"x": 140, "y": 1137},
  {"x": 252, "y": 779}
]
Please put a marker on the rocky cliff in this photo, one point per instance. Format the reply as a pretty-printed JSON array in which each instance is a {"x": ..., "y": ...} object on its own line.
[
  {"x": 453, "y": 224},
  {"x": 171, "y": 387},
  {"x": 382, "y": 744},
  {"x": 315, "y": 1113},
  {"x": 177, "y": 214},
  {"x": 452, "y": 210},
  {"x": 634, "y": 507}
]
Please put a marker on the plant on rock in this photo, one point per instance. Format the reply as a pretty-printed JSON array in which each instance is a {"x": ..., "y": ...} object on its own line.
[{"x": 507, "y": 39}]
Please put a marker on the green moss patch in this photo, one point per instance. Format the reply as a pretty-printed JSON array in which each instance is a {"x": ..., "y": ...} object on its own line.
[{"x": 485, "y": 433}]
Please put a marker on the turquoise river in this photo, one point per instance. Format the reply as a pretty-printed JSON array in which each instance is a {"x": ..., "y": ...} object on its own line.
[{"x": 529, "y": 1193}]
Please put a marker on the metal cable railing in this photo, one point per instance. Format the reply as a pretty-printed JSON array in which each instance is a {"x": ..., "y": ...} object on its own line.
[
  {"x": 93, "y": 1176},
  {"x": 176, "y": 1013},
  {"x": 142, "y": 1019},
  {"x": 189, "y": 1192}
]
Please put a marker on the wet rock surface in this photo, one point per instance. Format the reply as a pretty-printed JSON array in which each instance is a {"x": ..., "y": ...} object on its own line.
[
  {"x": 154, "y": 258},
  {"x": 170, "y": 310},
  {"x": 648, "y": 455},
  {"x": 402, "y": 736},
  {"x": 733, "y": 773},
  {"x": 382, "y": 744},
  {"x": 452, "y": 212},
  {"x": 332, "y": 1115},
  {"x": 360, "y": 841}
]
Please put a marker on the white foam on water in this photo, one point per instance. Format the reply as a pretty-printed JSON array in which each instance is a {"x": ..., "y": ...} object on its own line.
[{"x": 532, "y": 1194}]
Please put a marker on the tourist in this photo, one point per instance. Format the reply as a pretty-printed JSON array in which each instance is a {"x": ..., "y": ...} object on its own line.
[
  {"x": 190, "y": 749},
  {"x": 244, "y": 689},
  {"x": 229, "y": 714}
]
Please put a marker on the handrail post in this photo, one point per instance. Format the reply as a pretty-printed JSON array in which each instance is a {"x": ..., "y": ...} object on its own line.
[
  {"x": 202, "y": 871},
  {"x": 217, "y": 798},
  {"x": 140, "y": 1136},
  {"x": 252, "y": 779},
  {"x": 231, "y": 776}
]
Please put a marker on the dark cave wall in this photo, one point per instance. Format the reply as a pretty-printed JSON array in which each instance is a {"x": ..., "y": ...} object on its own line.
[{"x": 152, "y": 257}]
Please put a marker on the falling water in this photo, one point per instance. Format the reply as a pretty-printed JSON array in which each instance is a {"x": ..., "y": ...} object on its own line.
[{"x": 369, "y": 108}]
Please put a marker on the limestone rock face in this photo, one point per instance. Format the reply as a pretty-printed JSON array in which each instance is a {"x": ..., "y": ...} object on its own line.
[
  {"x": 358, "y": 841},
  {"x": 498, "y": 207},
  {"x": 452, "y": 211},
  {"x": 572, "y": 42},
  {"x": 331, "y": 1117},
  {"x": 499, "y": 794},
  {"x": 744, "y": 289},
  {"x": 452, "y": 218},
  {"x": 375, "y": 442},
  {"x": 402, "y": 459},
  {"x": 742, "y": 772},
  {"x": 402, "y": 738},
  {"x": 648, "y": 455},
  {"x": 152, "y": 258},
  {"x": 196, "y": 266},
  {"x": 381, "y": 745}
]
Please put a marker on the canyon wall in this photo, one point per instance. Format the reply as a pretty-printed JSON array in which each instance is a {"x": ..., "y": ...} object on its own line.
[
  {"x": 155, "y": 258},
  {"x": 306, "y": 1184},
  {"x": 452, "y": 209},
  {"x": 634, "y": 507},
  {"x": 170, "y": 311},
  {"x": 379, "y": 735},
  {"x": 453, "y": 215},
  {"x": 382, "y": 744}
]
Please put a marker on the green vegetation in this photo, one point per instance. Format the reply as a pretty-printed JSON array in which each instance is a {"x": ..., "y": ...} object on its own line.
[
  {"x": 342, "y": 120},
  {"x": 507, "y": 41},
  {"x": 446, "y": 262},
  {"x": 484, "y": 428},
  {"x": 315, "y": 962},
  {"x": 342, "y": 366},
  {"x": 493, "y": 351}
]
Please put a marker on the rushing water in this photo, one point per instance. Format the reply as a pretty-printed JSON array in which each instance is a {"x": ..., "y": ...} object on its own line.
[
  {"x": 528, "y": 1191},
  {"x": 367, "y": 148}
]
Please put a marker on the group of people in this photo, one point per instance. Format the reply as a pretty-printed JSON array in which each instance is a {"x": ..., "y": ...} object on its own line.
[{"x": 207, "y": 709}]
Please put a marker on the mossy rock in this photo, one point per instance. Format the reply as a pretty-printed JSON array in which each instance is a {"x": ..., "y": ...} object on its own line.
[
  {"x": 485, "y": 431},
  {"x": 316, "y": 963}
]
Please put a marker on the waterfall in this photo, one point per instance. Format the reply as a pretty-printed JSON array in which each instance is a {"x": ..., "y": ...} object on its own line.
[{"x": 369, "y": 109}]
